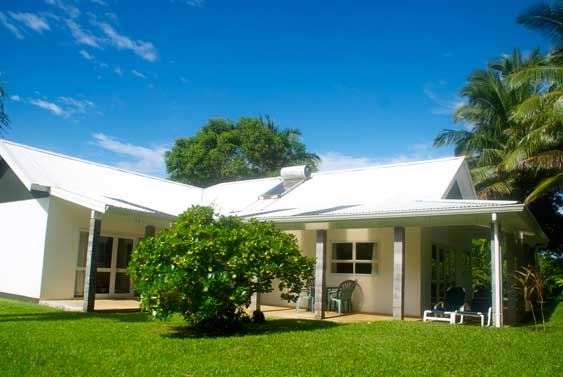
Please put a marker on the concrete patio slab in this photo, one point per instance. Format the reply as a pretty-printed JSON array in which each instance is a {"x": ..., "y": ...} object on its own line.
[{"x": 101, "y": 305}]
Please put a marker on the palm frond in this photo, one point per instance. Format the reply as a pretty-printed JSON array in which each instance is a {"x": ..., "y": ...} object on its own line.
[
  {"x": 545, "y": 187},
  {"x": 549, "y": 160},
  {"x": 535, "y": 74},
  {"x": 496, "y": 189},
  {"x": 547, "y": 19}
]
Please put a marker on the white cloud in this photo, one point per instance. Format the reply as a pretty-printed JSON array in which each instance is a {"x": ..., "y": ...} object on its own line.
[
  {"x": 76, "y": 106},
  {"x": 99, "y": 2},
  {"x": 64, "y": 107},
  {"x": 11, "y": 27},
  {"x": 81, "y": 36},
  {"x": 338, "y": 161},
  {"x": 117, "y": 71},
  {"x": 446, "y": 105},
  {"x": 32, "y": 21},
  {"x": 147, "y": 160},
  {"x": 191, "y": 3},
  {"x": 49, "y": 106},
  {"x": 145, "y": 50},
  {"x": 69, "y": 9},
  {"x": 86, "y": 55},
  {"x": 138, "y": 74},
  {"x": 15, "y": 98}
]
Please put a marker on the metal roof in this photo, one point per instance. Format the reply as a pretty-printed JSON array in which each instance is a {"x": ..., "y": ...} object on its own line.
[
  {"x": 387, "y": 191},
  {"x": 95, "y": 185}
]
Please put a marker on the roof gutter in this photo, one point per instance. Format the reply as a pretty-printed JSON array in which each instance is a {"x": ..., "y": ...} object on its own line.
[{"x": 399, "y": 214}]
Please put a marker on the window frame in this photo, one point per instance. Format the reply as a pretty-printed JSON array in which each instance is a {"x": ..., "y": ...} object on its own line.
[{"x": 374, "y": 262}]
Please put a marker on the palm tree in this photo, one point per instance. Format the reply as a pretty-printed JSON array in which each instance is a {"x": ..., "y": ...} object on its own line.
[
  {"x": 4, "y": 120},
  {"x": 540, "y": 149},
  {"x": 491, "y": 132}
]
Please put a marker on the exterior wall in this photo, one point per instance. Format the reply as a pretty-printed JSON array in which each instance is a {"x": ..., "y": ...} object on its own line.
[
  {"x": 23, "y": 222},
  {"x": 22, "y": 233},
  {"x": 374, "y": 293},
  {"x": 66, "y": 221},
  {"x": 306, "y": 241}
]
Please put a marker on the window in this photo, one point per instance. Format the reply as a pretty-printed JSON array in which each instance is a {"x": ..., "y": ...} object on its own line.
[{"x": 354, "y": 258}]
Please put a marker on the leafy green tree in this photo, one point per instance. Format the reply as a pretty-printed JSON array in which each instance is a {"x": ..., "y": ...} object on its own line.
[
  {"x": 223, "y": 151},
  {"x": 206, "y": 268}
]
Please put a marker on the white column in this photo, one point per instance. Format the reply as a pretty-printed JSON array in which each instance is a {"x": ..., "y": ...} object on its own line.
[
  {"x": 320, "y": 274},
  {"x": 496, "y": 272},
  {"x": 90, "y": 273},
  {"x": 399, "y": 273},
  {"x": 255, "y": 300}
]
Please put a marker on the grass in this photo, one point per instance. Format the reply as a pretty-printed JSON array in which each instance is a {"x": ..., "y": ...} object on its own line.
[{"x": 39, "y": 341}]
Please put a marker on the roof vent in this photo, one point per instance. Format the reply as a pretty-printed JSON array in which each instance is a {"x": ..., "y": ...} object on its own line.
[{"x": 292, "y": 176}]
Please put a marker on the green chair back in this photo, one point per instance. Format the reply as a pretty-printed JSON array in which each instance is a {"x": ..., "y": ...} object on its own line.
[{"x": 346, "y": 289}]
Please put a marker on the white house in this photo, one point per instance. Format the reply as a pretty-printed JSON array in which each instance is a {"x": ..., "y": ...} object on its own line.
[{"x": 402, "y": 231}]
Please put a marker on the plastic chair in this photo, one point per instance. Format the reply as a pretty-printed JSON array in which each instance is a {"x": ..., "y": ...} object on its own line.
[
  {"x": 342, "y": 297},
  {"x": 445, "y": 310},
  {"x": 308, "y": 293}
]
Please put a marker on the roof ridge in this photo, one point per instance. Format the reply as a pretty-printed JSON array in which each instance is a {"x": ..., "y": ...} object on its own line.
[
  {"x": 243, "y": 181},
  {"x": 391, "y": 165},
  {"x": 95, "y": 163}
]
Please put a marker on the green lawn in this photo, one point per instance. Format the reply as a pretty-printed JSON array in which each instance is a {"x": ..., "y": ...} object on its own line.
[{"x": 38, "y": 341}]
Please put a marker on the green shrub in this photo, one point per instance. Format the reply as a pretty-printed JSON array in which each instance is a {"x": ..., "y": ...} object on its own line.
[{"x": 207, "y": 267}]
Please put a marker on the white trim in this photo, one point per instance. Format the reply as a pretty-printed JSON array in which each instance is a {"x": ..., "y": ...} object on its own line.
[{"x": 509, "y": 208}]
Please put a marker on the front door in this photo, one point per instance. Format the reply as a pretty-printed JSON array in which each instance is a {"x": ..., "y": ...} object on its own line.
[{"x": 112, "y": 257}]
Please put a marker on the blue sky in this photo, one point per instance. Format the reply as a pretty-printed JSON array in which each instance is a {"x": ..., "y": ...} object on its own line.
[{"x": 367, "y": 82}]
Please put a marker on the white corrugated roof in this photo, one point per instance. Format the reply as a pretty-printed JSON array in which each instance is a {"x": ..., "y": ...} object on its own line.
[
  {"x": 407, "y": 187},
  {"x": 97, "y": 185},
  {"x": 319, "y": 213},
  {"x": 379, "y": 186}
]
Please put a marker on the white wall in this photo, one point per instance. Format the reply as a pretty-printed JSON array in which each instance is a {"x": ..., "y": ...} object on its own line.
[
  {"x": 375, "y": 292},
  {"x": 22, "y": 240},
  {"x": 66, "y": 221}
]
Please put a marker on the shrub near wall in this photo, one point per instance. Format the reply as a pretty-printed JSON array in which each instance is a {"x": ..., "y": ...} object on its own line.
[{"x": 207, "y": 267}]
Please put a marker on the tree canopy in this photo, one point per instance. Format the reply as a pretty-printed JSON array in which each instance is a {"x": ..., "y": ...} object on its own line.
[
  {"x": 512, "y": 125},
  {"x": 223, "y": 150},
  {"x": 207, "y": 267}
]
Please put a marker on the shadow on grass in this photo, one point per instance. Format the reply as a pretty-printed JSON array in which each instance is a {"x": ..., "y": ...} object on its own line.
[
  {"x": 553, "y": 316},
  {"x": 73, "y": 316},
  {"x": 272, "y": 326}
]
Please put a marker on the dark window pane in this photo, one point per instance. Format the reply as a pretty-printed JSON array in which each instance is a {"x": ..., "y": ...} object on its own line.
[
  {"x": 79, "y": 284},
  {"x": 103, "y": 255},
  {"x": 124, "y": 250},
  {"x": 122, "y": 283},
  {"x": 82, "y": 248},
  {"x": 364, "y": 250},
  {"x": 343, "y": 268},
  {"x": 363, "y": 268},
  {"x": 102, "y": 282},
  {"x": 342, "y": 251}
]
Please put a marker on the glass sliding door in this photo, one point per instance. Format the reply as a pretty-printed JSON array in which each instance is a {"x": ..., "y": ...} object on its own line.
[
  {"x": 124, "y": 251},
  {"x": 104, "y": 265},
  {"x": 443, "y": 272},
  {"x": 112, "y": 258}
]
